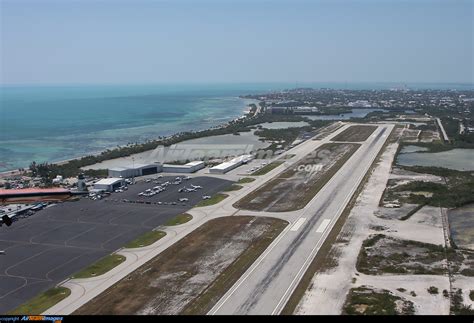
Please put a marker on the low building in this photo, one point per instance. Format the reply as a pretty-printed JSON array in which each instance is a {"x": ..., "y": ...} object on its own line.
[
  {"x": 135, "y": 170},
  {"x": 190, "y": 167},
  {"x": 109, "y": 184},
  {"x": 31, "y": 195},
  {"x": 230, "y": 165}
]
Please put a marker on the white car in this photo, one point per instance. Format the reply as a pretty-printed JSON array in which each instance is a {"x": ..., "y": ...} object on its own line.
[
  {"x": 2, "y": 252},
  {"x": 183, "y": 199},
  {"x": 206, "y": 197}
]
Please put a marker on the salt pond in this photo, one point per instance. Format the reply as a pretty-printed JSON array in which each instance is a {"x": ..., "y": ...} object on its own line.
[{"x": 458, "y": 159}]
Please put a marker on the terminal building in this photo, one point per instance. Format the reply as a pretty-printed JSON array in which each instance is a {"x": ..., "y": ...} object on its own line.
[
  {"x": 109, "y": 184},
  {"x": 135, "y": 170},
  {"x": 231, "y": 164},
  {"x": 191, "y": 167}
]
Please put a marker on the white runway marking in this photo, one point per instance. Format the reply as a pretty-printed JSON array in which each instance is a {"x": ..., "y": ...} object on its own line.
[
  {"x": 298, "y": 224},
  {"x": 323, "y": 225}
]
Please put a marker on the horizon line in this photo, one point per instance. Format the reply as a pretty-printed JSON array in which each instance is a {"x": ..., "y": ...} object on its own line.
[{"x": 236, "y": 82}]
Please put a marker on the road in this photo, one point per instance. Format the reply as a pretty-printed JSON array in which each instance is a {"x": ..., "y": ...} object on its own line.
[
  {"x": 443, "y": 132},
  {"x": 269, "y": 282}
]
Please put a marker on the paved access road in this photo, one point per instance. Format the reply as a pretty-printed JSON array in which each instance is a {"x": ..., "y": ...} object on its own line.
[
  {"x": 269, "y": 282},
  {"x": 54, "y": 243}
]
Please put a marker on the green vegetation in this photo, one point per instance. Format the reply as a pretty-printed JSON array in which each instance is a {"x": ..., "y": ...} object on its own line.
[
  {"x": 100, "y": 267},
  {"x": 233, "y": 187},
  {"x": 438, "y": 171},
  {"x": 246, "y": 180},
  {"x": 179, "y": 219},
  {"x": 401, "y": 289},
  {"x": 433, "y": 147},
  {"x": 146, "y": 239},
  {"x": 267, "y": 168},
  {"x": 288, "y": 156},
  {"x": 458, "y": 189},
  {"x": 288, "y": 135},
  {"x": 445, "y": 293},
  {"x": 213, "y": 200},
  {"x": 42, "y": 302},
  {"x": 471, "y": 295},
  {"x": 433, "y": 290},
  {"x": 365, "y": 301},
  {"x": 457, "y": 305},
  {"x": 382, "y": 254}
]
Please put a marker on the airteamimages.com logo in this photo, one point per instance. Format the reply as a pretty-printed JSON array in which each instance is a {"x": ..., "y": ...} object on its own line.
[
  {"x": 203, "y": 152},
  {"x": 40, "y": 318}
]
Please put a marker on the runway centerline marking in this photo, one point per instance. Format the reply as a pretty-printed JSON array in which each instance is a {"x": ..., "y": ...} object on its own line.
[
  {"x": 323, "y": 225},
  {"x": 298, "y": 224}
]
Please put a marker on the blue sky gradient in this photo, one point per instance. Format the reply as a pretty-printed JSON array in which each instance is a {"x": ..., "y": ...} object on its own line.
[{"x": 56, "y": 42}]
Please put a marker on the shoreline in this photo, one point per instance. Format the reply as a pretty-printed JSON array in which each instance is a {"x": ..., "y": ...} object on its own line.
[{"x": 243, "y": 114}]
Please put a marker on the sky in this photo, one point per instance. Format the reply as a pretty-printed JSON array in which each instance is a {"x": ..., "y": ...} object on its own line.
[{"x": 144, "y": 41}]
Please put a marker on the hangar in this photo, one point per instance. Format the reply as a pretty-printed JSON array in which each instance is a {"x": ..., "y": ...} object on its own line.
[
  {"x": 190, "y": 167},
  {"x": 109, "y": 184},
  {"x": 135, "y": 170},
  {"x": 231, "y": 164}
]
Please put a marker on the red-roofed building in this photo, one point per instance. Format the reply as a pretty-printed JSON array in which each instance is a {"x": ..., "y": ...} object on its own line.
[{"x": 30, "y": 195}]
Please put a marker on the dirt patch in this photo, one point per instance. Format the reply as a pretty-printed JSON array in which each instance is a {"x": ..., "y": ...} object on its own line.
[
  {"x": 355, "y": 133},
  {"x": 299, "y": 183},
  {"x": 411, "y": 135},
  {"x": 382, "y": 254},
  {"x": 187, "y": 271}
]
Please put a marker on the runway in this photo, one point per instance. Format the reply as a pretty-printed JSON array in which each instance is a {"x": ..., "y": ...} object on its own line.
[{"x": 269, "y": 282}]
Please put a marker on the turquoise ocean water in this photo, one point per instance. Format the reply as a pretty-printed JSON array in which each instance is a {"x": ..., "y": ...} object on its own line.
[{"x": 53, "y": 123}]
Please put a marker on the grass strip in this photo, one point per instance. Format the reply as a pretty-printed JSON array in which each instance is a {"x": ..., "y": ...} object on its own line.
[
  {"x": 233, "y": 187},
  {"x": 246, "y": 180},
  {"x": 213, "y": 200},
  {"x": 146, "y": 239},
  {"x": 179, "y": 219},
  {"x": 100, "y": 267},
  {"x": 267, "y": 168},
  {"x": 42, "y": 302}
]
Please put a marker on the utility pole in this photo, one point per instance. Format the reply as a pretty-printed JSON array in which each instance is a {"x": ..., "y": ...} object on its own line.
[{"x": 133, "y": 166}]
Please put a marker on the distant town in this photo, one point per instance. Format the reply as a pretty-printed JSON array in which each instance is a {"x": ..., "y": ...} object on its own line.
[{"x": 303, "y": 101}]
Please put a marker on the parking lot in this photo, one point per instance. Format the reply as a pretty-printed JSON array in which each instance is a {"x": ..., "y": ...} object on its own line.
[{"x": 54, "y": 243}]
